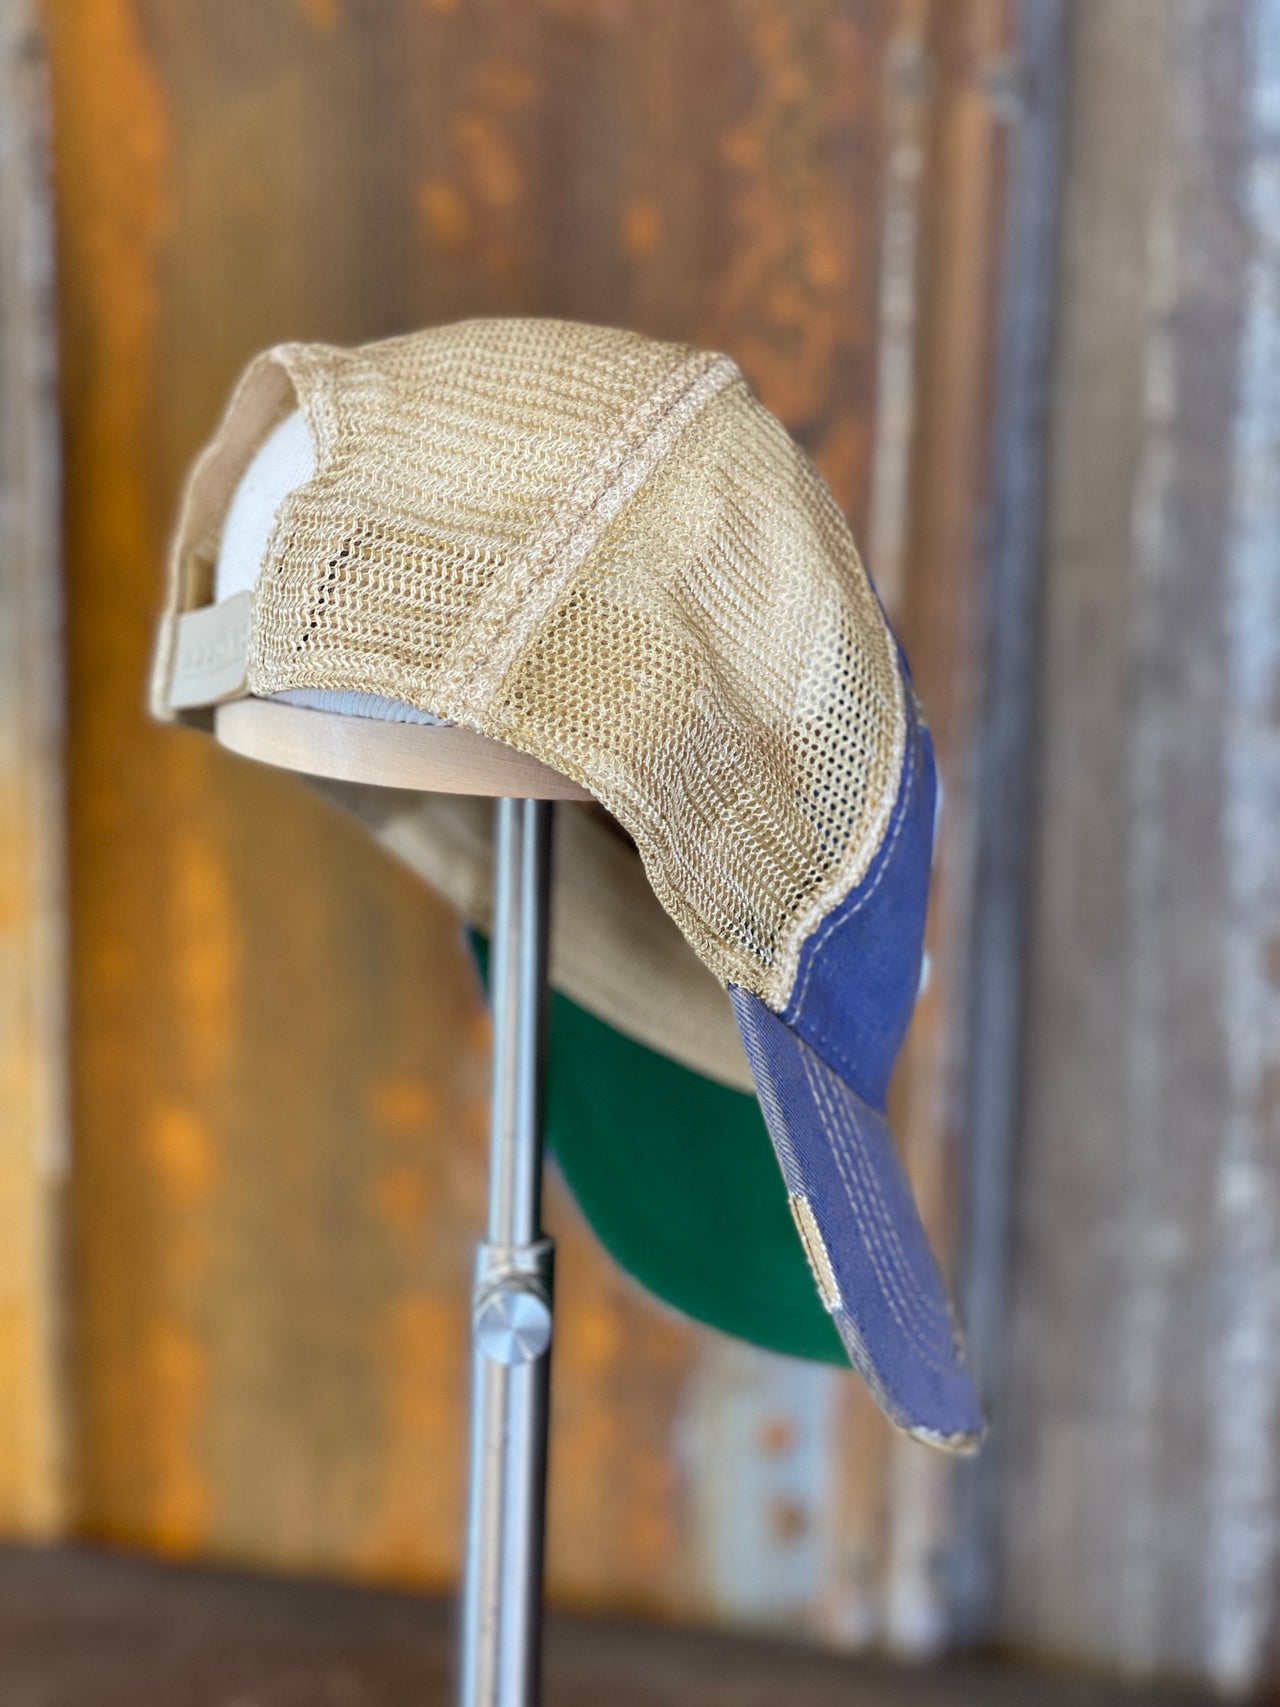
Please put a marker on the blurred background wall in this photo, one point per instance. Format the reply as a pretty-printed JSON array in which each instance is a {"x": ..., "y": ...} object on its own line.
[{"x": 1010, "y": 272}]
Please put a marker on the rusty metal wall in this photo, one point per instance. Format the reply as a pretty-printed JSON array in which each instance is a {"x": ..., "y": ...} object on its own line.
[{"x": 278, "y": 1096}]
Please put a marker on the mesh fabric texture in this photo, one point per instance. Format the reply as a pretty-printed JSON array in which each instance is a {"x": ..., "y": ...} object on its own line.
[{"x": 604, "y": 551}]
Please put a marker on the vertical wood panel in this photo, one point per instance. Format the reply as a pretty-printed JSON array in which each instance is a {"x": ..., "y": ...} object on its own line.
[
  {"x": 32, "y": 1041},
  {"x": 280, "y": 1087},
  {"x": 937, "y": 607},
  {"x": 1005, "y": 784},
  {"x": 1140, "y": 1507}
]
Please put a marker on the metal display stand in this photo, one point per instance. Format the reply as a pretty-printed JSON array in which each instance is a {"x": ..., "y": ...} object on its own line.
[{"x": 512, "y": 1297}]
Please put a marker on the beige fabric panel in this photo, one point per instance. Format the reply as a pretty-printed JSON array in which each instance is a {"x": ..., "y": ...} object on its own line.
[{"x": 648, "y": 984}]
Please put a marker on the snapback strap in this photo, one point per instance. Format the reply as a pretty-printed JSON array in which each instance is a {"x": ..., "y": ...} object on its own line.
[{"x": 211, "y": 654}]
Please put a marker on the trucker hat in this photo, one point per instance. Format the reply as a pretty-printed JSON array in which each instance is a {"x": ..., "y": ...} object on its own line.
[{"x": 603, "y": 552}]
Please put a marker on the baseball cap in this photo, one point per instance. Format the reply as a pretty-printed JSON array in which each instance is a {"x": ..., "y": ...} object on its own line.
[{"x": 601, "y": 551}]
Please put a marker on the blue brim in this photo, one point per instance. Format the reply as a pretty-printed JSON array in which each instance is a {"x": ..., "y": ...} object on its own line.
[{"x": 863, "y": 1235}]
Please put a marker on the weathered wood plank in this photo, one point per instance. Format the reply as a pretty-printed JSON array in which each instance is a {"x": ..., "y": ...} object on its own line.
[
  {"x": 1142, "y": 1413},
  {"x": 32, "y": 980}
]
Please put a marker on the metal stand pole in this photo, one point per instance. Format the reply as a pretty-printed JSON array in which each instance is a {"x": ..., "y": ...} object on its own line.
[{"x": 511, "y": 1301}]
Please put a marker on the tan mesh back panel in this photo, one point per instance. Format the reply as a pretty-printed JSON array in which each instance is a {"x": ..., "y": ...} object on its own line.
[{"x": 604, "y": 551}]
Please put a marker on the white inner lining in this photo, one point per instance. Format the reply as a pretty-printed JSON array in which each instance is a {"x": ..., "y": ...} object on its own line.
[{"x": 286, "y": 459}]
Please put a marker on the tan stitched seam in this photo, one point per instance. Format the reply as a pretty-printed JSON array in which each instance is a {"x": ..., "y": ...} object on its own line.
[{"x": 572, "y": 532}]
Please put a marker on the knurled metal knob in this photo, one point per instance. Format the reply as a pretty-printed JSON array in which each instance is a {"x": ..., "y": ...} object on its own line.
[{"x": 513, "y": 1324}]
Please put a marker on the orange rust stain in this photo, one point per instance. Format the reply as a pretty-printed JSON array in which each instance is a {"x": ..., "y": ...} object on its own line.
[
  {"x": 504, "y": 84},
  {"x": 113, "y": 148},
  {"x": 787, "y": 304},
  {"x": 415, "y": 1522},
  {"x": 770, "y": 35},
  {"x": 742, "y": 148},
  {"x": 843, "y": 451},
  {"x": 19, "y": 849},
  {"x": 502, "y": 259},
  {"x": 401, "y": 1199},
  {"x": 176, "y": 1370},
  {"x": 183, "y": 1154},
  {"x": 490, "y": 162},
  {"x": 789, "y": 1520},
  {"x": 591, "y": 14},
  {"x": 652, "y": 1532},
  {"x": 598, "y": 1336},
  {"x": 777, "y": 1435},
  {"x": 110, "y": 93},
  {"x": 588, "y": 1441},
  {"x": 426, "y": 1336},
  {"x": 206, "y": 948},
  {"x": 479, "y": 1030},
  {"x": 114, "y": 207},
  {"x": 110, "y": 87},
  {"x": 655, "y": 1477},
  {"x": 652, "y": 1538},
  {"x": 403, "y": 1107},
  {"x": 641, "y": 228},
  {"x": 826, "y": 263},
  {"x": 447, "y": 215},
  {"x": 322, "y": 15}
]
